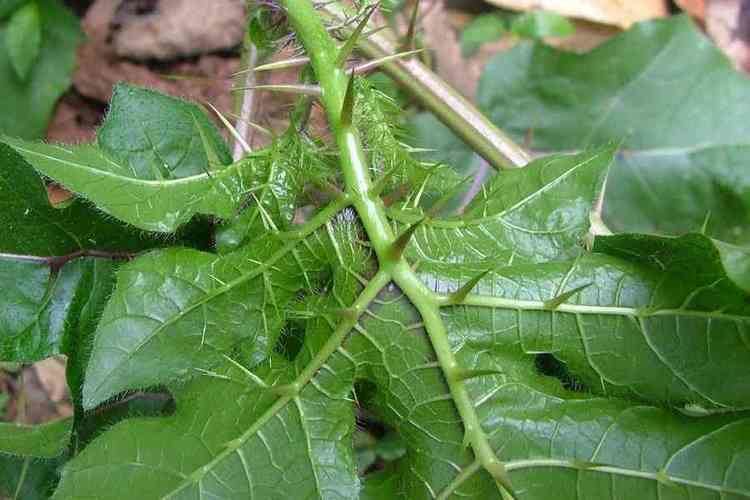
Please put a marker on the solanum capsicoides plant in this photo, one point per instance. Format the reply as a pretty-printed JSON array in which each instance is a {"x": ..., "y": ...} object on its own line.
[{"x": 514, "y": 351}]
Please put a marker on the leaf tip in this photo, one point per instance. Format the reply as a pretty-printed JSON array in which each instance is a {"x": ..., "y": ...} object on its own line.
[
  {"x": 348, "y": 47},
  {"x": 398, "y": 247}
]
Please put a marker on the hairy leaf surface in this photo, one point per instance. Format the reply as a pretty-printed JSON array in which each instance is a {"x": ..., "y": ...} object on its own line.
[
  {"x": 156, "y": 176},
  {"x": 40, "y": 309}
]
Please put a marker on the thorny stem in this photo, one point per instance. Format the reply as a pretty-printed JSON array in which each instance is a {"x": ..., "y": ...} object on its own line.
[
  {"x": 457, "y": 113},
  {"x": 371, "y": 210},
  {"x": 247, "y": 101}
]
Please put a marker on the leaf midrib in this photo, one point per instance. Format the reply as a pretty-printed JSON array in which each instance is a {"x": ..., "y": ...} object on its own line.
[
  {"x": 622, "y": 471},
  {"x": 131, "y": 180},
  {"x": 403, "y": 216},
  {"x": 536, "y": 305}
]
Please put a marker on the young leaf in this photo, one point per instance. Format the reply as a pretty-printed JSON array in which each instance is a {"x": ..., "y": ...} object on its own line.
[
  {"x": 541, "y": 24},
  {"x": 34, "y": 98},
  {"x": 33, "y": 227},
  {"x": 482, "y": 29},
  {"x": 174, "y": 139},
  {"x": 23, "y": 38}
]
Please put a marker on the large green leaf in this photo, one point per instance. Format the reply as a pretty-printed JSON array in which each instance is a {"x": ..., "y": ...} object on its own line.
[
  {"x": 664, "y": 336},
  {"x": 244, "y": 449},
  {"x": 173, "y": 139},
  {"x": 40, "y": 305},
  {"x": 39, "y": 308},
  {"x": 29, "y": 457},
  {"x": 518, "y": 214},
  {"x": 28, "y": 102},
  {"x": 550, "y": 437},
  {"x": 255, "y": 447},
  {"x": 33, "y": 227},
  {"x": 177, "y": 311},
  {"x": 674, "y": 101}
]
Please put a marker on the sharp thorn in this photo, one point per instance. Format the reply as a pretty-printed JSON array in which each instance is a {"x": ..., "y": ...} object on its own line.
[
  {"x": 261, "y": 129},
  {"x": 398, "y": 247},
  {"x": 347, "y": 109},
  {"x": 412, "y": 31},
  {"x": 374, "y": 64},
  {"x": 348, "y": 47},
  {"x": 294, "y": 62},
  {"x": 555, "y": 302},
  {"x": 313, "y": 90},
  {"x": 459, "y": 295},
  {"x": 368, "y": 34},
  {"x": 232, "y": 130}
]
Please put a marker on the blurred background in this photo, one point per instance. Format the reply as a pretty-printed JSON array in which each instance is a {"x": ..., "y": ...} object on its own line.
[{"x": 60, "y": 59}]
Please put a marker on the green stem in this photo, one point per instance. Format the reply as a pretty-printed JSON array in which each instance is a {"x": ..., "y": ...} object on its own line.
[
  {"x": 333, "y": 81},
  {"x": 457, "y": 113}
]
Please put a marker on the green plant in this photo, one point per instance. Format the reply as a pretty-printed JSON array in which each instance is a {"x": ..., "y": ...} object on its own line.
[
  {"x": 38, "y": 41},
  {"x": 482, "y": 29},
  {"x": 505, "y": 346}
]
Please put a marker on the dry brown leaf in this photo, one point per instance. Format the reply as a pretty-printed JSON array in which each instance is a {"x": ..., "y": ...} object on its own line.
[{"x": 622, "y": 13}]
